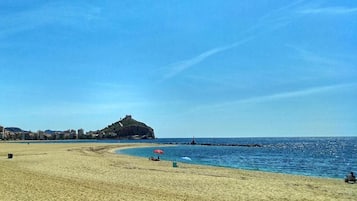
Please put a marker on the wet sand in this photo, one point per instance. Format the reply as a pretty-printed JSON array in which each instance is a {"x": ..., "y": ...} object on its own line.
[{"x": 95, "y": 172}]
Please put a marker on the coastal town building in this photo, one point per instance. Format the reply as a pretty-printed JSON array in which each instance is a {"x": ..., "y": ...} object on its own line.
[
  {"x": 13, "y": 133},
  {"x": 80, "y": 132},
  {"x": 2, "y": 132}
]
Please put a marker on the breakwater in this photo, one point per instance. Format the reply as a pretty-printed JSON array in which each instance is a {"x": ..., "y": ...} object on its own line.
[{"x": 215, "y": 144}]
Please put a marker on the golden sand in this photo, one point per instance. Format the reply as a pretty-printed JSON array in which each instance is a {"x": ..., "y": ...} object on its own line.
[{"x": 94, "y": 172}]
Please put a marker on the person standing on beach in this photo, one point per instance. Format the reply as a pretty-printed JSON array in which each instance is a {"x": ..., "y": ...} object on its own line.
[{"x": 350, "y": 178}]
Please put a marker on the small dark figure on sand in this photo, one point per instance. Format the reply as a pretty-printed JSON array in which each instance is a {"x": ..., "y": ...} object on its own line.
[
  {"x": 154, "y": 159},
  {"x": 350, "y": 178}
]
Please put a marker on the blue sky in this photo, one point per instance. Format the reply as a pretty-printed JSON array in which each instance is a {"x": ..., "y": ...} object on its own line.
[{"x": 186, "y": 68}]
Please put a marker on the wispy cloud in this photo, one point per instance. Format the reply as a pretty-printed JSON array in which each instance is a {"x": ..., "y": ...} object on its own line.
[
  {"x": 284, "y": 95},
  {"x": 269, "y": 22},
  {"x": 183, "y": 65},
  {"x": 325, "y": 64},
  {"x": 298, "y": 93},
  {"x": 52, "y": 13},
  {"x": 329, "y": 10},
  {"x": 313, "y": 57}
]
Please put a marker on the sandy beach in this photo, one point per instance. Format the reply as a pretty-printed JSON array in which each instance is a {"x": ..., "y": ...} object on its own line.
[{"x": 95, "y": 172}]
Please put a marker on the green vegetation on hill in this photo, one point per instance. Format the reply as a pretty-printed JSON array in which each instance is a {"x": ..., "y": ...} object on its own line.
[{"x": 128, "y": 128}]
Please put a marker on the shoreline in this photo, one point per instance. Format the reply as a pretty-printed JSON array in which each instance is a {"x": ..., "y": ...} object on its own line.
[
  {"x": 152, "y": 144},
  {"x": 222, "y": 166},
  {"x": 92, "y": 171},
  {"x": 149, "y": 144}
]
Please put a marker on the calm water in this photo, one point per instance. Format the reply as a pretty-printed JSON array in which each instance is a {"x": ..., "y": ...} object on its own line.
[{"x": 322, "y": 157}]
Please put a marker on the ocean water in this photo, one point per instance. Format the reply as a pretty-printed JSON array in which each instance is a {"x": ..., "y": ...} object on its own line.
[{"x": 331, "y": 157}]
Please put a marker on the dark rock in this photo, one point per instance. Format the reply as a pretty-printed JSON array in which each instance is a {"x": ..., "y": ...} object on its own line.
[{"x": 128, "y": 128}]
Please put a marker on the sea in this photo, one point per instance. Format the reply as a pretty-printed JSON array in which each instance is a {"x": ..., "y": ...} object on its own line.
[{"x": 329, "y": 157}]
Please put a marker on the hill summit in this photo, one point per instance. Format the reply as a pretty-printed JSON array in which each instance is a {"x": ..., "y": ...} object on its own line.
[{"x": 128, "y": 128}]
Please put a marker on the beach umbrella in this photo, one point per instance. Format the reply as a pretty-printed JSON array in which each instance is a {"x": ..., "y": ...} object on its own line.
[{"x": 158, "y": 151}]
